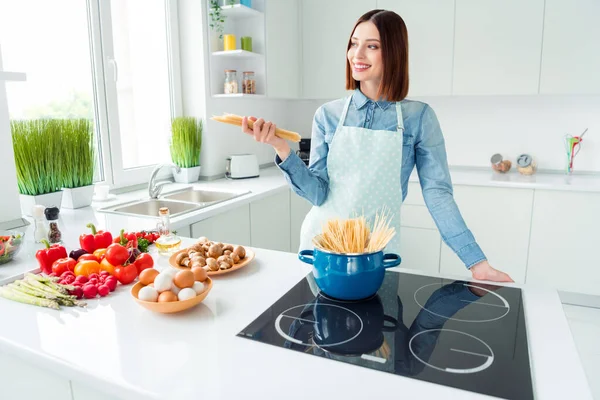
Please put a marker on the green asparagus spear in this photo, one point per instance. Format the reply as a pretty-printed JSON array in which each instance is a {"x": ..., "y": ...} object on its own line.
[
  {"x": 37, "y": 278},
  {"x": 37, "y": 293},
  {"x": 27, "y": 299},
  {"x": 41, "y": 286}
]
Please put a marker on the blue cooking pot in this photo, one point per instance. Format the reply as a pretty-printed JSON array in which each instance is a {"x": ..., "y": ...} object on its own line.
[{"x": 349, "y": 276}]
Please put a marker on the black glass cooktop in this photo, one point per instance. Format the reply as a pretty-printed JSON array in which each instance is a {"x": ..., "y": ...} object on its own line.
[{"x": 467, "y": 335}]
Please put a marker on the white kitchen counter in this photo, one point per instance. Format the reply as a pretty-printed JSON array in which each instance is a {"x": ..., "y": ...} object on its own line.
[
  {"x": 121, "y": 349},
  {"x": 513, "y": 179}
]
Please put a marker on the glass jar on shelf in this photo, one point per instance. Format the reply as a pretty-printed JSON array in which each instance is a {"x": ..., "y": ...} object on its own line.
[
  {"x": 248, "y": 83},
  {"x": 231, "y": 83}
]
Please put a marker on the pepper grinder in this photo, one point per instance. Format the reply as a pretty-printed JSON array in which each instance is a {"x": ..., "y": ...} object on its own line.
[{"x": 54, "y": 234}]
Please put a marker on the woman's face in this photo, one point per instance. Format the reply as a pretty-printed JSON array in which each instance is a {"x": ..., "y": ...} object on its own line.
[{"x": 364, "y": 53}]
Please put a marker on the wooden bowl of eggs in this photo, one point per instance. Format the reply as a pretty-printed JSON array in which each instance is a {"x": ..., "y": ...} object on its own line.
[{"x": 171, "y": 291}]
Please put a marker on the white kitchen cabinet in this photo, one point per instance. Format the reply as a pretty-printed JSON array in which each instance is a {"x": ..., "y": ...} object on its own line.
[
  {"x": 497, "y": 47},
  {"x": 326, "y": 29},
  {"x": 270, "y": 222},
  {"x": 499, "y": 218},
  {"x": 565, "y": 241},
  {"x": 22, "y": 380},
  {"x": 299, "y": 207},
  {"x": 284, "y": 69},
  {"x": 420, "y": 249},
  {"x": 430, "y": 25},
  {"x": 232, "y": 226},
  {"x": 571, "y": 52}
]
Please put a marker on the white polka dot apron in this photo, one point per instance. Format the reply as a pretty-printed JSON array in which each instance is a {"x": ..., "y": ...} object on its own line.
[{"x": 364, "y": 168}]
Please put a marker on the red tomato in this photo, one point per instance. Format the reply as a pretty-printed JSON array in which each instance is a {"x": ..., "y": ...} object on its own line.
[
  {"x": 127, "y": 274},
  {"x": 62, "y": 265},
  {"x": 143, "y": 261},
  {"x": 116, "y": 254}
]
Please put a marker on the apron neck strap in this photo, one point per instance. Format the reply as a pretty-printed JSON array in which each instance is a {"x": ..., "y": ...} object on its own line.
[
  {"x": 344, "y": 113},
  {"x": 400, "y": 126}
]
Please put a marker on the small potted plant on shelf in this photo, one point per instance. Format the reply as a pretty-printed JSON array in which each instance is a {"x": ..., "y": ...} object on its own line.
[
  {"x": 186, "y": 143},
  {"x": 37, "y": 147},
  {"x": 217, "y": 25},
  {"x": 77, "y": 162}
]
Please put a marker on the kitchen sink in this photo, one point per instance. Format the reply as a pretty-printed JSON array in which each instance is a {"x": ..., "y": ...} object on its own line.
[
  {"x": 179, "y": 203},
  {"x": 149, "y": 208},
  {"x": 203, "y": 197}
]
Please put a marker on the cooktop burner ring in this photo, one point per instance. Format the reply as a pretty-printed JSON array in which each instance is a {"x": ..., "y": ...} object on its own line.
[
  {"x": 325, "y": 296},
  {"x": 505, "y": 303},
  {"x": 489, "y": 357},
  {"x": 294, "y": 340}
]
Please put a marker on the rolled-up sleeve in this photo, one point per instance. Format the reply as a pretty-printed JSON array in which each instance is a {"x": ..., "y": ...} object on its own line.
[
  {"x": 310, "y": 182},
  {"x": 436, "y": 184}
]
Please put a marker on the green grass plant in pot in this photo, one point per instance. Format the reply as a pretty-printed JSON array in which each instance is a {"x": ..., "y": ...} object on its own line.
[
  {"x": 37, "y": 148},
  {"x": 77, "y": 162},
  {"x": 186, "y": 142}
]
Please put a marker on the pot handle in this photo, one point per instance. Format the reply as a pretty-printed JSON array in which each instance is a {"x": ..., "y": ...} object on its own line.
[
  {"x": 392, "y": 321},
  {"x": 391, "y": 260},
  {"x": 306, "y": 256}
]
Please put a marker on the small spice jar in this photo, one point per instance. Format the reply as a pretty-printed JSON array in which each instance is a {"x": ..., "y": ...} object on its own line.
[
  {"x": 54, "y": 234},
  {"x": 248, "y": 83},
  {"x": 500, "y": 165},
  {"x": 526, "y": 165},
  {"x": 231, "y": 83}
]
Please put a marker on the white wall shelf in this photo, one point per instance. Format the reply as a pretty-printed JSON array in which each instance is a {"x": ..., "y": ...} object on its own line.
[
  {"x": 239, "y": 11},
  {"x": 240, "y": 21},
  {"x": 12, "y": 76},
  {"x": 237, "y": 54},
  {"x": 239, "y": 95}
]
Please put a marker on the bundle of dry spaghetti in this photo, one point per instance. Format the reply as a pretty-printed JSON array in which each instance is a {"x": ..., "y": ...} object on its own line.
[
  {"x": 353, "y": 236},
  {"x": 233, "y": 119}
]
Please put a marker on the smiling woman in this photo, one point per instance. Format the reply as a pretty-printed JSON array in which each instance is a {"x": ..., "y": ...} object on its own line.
[{"x": 364, "y": 147}]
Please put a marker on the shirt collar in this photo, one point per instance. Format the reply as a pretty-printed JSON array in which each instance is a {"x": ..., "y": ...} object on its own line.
[{"x": 360, "y": 100}]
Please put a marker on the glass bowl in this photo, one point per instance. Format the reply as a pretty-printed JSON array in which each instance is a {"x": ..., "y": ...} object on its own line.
[{"x": 10, "y": 245}]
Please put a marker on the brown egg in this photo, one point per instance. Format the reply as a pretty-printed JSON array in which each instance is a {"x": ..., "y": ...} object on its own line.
[
  {"x": 147, "y": 276},
  {"x": 199, "y": 274},
  {"x": 184, "y": 279},
  {"x": 167, "y": 296}
]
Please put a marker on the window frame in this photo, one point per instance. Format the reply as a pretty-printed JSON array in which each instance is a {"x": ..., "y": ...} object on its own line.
[{"x": 107, "y": 114}]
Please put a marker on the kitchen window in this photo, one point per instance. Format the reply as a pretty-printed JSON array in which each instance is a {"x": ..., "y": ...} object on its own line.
[{"x": 113, "y": 61}]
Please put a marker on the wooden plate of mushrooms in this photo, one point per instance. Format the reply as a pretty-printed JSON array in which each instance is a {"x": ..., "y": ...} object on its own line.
[{"x": 215, "y": 257}]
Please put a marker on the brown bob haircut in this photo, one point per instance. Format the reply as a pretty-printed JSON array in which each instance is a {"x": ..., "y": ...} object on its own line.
[{"x": 394, "y": 48}]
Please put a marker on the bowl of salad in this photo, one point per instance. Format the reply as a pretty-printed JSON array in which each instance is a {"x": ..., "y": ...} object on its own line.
[{"x": 10, "y": 245}]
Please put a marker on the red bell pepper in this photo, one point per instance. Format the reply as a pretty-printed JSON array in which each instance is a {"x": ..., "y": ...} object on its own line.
[
  {"x": 96, "y": 240},
  {"x": 127, "y": 239},
  {"x": 116, "y": 254},
  {"x": 47, "y": 256}
]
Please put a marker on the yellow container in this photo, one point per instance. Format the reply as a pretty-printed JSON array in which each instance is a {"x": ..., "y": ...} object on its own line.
[{"x": 228, "y": 42}]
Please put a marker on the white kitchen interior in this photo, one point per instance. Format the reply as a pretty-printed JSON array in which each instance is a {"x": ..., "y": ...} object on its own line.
[{"x": 507, "y": 77}]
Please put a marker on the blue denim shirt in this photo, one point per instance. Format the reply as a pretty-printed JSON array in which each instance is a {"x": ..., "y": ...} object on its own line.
[{"x": 423, "y": 145}]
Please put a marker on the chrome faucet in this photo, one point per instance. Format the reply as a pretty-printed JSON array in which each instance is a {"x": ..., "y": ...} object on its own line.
[{"x": 154, "y": 188}]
